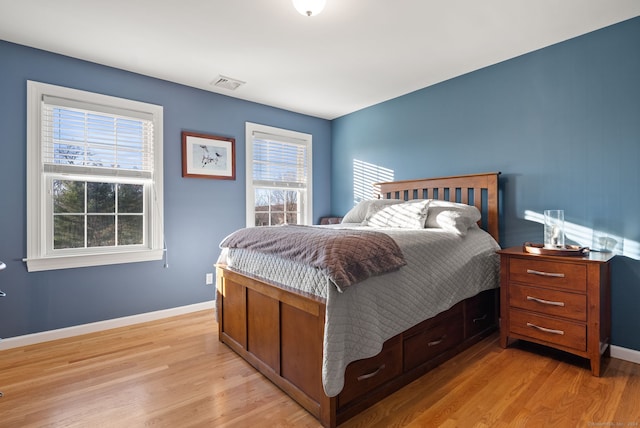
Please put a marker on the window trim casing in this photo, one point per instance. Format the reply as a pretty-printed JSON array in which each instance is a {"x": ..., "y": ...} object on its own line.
[
  {"x": 37, "y": 258},
  {"x": 250, "y": 128}
]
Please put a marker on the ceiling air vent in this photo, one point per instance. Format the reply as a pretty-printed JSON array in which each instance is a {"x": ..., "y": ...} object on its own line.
[{"x": 227, "y": 83}]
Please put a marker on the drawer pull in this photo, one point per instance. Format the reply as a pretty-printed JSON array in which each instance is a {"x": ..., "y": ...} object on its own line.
[
  {"x": 437, "y": 342},
  {"x": 370, "y": 375},
  {"x": 482, "y": 318},
  {"x": 546, "y": 330},
  {"x": 2, "y": 294},
  {"x": 537, "y": 272},
  {"x": 545, "y": 302}
]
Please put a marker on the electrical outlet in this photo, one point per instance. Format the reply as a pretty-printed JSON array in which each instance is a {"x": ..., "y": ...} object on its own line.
[{"x": 209, "y": 279}]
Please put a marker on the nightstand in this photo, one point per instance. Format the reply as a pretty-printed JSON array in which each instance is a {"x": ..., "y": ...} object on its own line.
[{"x": 557, "y": 301}]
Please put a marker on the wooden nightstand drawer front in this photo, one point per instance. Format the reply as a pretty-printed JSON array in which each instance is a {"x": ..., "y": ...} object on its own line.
[
  {"x": 568, "y": 276},
  {"x": 565, "y": 333},
  {"x": 550, "y": 302}
]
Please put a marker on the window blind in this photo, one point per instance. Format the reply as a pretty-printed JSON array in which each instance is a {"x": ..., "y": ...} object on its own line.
[
  {"x": 279, "y": 162},
  {"x": 80, "y": 140}
]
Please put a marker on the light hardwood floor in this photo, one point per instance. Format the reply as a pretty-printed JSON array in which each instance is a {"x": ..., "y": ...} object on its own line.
[{"x": 175, "y": 373}]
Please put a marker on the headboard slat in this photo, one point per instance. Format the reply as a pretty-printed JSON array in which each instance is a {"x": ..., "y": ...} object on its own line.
[
  {"x": 464, "y": 196},
  {"x": 471, "y": 185}
]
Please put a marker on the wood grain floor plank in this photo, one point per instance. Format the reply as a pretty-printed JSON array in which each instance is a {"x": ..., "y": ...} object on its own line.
[{"x": 175, "y": 373}]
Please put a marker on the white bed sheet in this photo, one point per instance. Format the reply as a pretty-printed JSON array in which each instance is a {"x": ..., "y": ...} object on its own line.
[{"x": 442, "y": 270}]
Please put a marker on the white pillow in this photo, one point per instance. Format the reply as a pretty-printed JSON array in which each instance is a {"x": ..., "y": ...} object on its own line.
[
  {"x": 407, "y": 215},
  {"x": 452, "y": 216},
  {"x": 358, "y": 214}
]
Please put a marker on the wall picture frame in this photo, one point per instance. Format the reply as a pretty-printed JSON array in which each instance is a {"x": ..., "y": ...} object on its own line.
[{"x": 208, "y": 156}]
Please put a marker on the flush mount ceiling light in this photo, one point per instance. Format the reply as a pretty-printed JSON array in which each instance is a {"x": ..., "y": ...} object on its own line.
[{"x": 309, "y": 7}]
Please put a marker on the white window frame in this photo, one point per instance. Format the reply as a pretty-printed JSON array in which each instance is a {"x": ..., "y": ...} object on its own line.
[
  {"x": 40, "y": 254},
  {"x": 286, "y": 135}
]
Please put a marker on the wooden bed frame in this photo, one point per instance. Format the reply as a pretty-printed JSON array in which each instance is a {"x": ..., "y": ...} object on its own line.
[{"x": 279, "y": 331}]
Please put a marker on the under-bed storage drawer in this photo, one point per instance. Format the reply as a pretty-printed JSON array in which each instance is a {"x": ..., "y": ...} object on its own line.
[
  {"x": 432, "y": 337},
  {"x": 365, "y": 375},
  {"x": 480, "y": 313}
]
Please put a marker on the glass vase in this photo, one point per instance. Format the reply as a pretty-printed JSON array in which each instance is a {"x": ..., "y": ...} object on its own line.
[{"x": 554, "y": 229}]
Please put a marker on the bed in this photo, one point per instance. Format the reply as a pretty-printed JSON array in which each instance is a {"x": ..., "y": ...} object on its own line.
[{"x": 336, "y": 355}]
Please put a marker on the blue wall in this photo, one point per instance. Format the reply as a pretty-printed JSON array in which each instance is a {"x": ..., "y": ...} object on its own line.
[
  {"x": 563, "y": 126},
  {"x": 199, "y": 213}
]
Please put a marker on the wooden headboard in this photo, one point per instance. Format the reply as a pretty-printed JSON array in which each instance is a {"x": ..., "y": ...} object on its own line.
[{"x": 480, "y": 190}]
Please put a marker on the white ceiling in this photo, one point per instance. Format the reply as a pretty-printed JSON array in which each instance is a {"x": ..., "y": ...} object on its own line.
[{"x": 356, "y": 53}]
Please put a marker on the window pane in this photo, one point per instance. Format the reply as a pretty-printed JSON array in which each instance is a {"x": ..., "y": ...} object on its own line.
[
  {"x": 292, "y": 218},
  {"x": 277, "y": 200},
  {"x": 291, "y": 201},
  {"x": 262, "y": 219},
  {"x": 130, "y": 198},
  {"x": 101, "y": 230},
  {"x": 130, "y": 230},
  {"x": 273, "y": 206},
  {"x": 262, "y": 197},
  {"x": 101, "y": 197},
  {"x": 68, "y": 231},
  {"x": 277, "y": 218},
  {"x": 68, "y": 196}
]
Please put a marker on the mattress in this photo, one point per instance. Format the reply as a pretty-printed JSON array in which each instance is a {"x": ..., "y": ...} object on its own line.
[{"x": 442, "y": 269}]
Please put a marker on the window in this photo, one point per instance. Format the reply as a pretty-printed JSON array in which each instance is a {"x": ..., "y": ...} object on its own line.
[
  {"x": 94, "y": 179},
  {"x": 278, "y": 176}
]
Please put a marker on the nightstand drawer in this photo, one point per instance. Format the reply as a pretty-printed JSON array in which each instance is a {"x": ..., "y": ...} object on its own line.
[
  {"x": 565, "y": 333},
  {"x": 550, "y": 302},
  {"x": 568, "y": 276}
]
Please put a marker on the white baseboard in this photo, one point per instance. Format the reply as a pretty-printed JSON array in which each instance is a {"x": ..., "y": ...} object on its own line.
[
  {"x": 62, "y": 333},
  {"x": 619, "y": 352},
  {"x": 625, "y": 354}
]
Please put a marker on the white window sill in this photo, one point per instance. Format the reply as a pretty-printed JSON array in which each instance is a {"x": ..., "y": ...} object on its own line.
[{"x": 77, "y": 261}]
